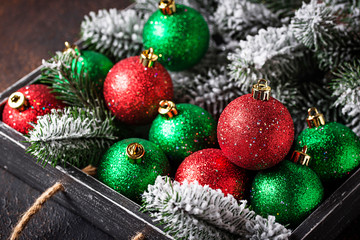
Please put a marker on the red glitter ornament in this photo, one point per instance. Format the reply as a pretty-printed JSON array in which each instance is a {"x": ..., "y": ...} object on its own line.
[
  {"x": 26, "y": 104},
  {"x": 256, "y": 131},
  {"x": 133, "y": 88},
  {"x": 211, "y": 167}
]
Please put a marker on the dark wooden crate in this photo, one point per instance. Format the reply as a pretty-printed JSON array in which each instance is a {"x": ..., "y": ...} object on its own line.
[{"x": 120, "y": 217}]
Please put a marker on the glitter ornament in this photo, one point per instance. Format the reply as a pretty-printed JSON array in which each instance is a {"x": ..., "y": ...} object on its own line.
[
  {"x": 211, "y": 167},
  {"x": 26, "y": 104},
  {"x": 256, "y": 131},
  {"x": 289, "y": 191},
  {"x": 178, "y": 33},
  {"x": 133, "y": 88},
  {"x": 130, "y": 165},
  {"x": 334, "y": 148},
  {"x": 95, "y": 64},
  {"x": 182, "y": 130}
]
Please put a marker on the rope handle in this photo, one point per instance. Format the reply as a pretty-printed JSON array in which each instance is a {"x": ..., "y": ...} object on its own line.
[
  {"x": 34, "y": 209},
  {"x": 44, "y": 197}
]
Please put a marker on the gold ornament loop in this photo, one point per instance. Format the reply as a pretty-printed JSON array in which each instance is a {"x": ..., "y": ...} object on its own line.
[
  {"x": 167, "y": 108},
  {"x": 167, "y": 7},
  {"x": 261, "y": 90},
  {"x": 148, "y": 58},
  {"x": 135, "y": 151},
  {"x": 301, "y": 157},
  {"x": 315, "y": 120},
  {"x": 17, "y": 101}
]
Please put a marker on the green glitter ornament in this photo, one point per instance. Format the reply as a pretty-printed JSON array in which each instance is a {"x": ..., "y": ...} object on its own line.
[
  {"x": 95, "y": 64},
  {"x": 334, "y": 148},
  {"x": 178, "y": 34},
  {"x": 288, "y": 191},
  {"x": 182, "y": 129},
  {"x": 130, "y": 165}
]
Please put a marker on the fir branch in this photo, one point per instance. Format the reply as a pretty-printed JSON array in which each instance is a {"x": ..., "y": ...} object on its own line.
[
  {"x": 347, "y": 91},
  {"x": 115, "y": 33},
  {"x": 280, "y": 7},
  {"x": 273, "y": 54},
  {"x": 330, "y": 29},
  {"x": 192, "y": 211},
  {"x": 72, "y": 135},
  {"x": 72, "y": 87},
  {"x": 211, "y": 90},
  {"x": 234, "y": 20}
]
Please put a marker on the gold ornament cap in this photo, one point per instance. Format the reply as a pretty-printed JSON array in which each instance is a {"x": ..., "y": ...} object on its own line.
[
  {"x": 315, "y": 120},
  {"x": 135, "y": 151},
  {"x": 301, "y": 157},
  {"x": 261, "y": 90},
  {"x": 167, "y": 108},
  {"x": 18, "y": 101},
  {"x": 167, "y": 7},
  {"x": 71, "y": 49},
  {"x": 148, "y": 58}
]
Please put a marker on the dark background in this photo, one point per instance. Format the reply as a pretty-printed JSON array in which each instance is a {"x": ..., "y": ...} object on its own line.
[{"x": 31, "y": 30}]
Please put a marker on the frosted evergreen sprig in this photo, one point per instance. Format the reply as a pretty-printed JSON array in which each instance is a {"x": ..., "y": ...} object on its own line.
[
  {"x": 329, "y": 28},
  {"x": 72, "y": 86},
  {"x": 346, "y": 88},
  {"x": 192, "y": 211},
  {"x": 72, "y": 135},
  {"x": 211, "y": 90},
  {"x": 234, "y": 20},
  {"x": 115, "y": 33},
  {"x": 280, "y": 7},
  {"x": 273, "y": 54}
]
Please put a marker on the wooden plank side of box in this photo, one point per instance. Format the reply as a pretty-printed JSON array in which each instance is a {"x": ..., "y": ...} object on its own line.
[
  {"x": 334, "y": 214},
  {"x": 84, "y": 195}
]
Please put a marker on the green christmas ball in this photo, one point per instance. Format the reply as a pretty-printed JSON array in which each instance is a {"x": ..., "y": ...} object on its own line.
[
  {"x": 180, "y": 39},
  {"x": 130, "y": 165},
  {"x": 184, "y": 133},
  {"x": 95, "y": 64},
  {"x": 334, "y": 149},
  {"x": 287, "y": 191}
]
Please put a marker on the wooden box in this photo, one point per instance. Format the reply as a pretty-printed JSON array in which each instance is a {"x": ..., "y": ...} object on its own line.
[{"x": 120, "y": 217}]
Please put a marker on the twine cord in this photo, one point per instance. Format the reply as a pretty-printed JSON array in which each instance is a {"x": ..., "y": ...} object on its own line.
[
  {"x": 34, "y": 209},
  {"x": 90, "y": 170},
  {"x": 138, "y": 236},
  {"x": 20, "y": 226}
]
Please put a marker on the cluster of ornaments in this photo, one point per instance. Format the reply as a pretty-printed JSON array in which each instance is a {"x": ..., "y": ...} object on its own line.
[{"x": 255, "y": 132}]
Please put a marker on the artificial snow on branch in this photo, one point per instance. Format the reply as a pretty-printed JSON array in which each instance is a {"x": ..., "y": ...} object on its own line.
[
  {"x": 234, "y": 20},
  {"x": 115, "y": 33},
  {"x": 72, "y": 135},
  {"x": 273, "y": 54},
  {"x": 191, "y": 211},
  {"x": 211, "y": 90},
  {"x": 280, "y": 7},
  {"x": 347, "y": 92},
  {"x": 330, "y": 29}
]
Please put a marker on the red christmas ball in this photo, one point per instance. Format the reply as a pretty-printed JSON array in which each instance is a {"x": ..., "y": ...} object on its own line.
[
  {"x": 133, "y": 91},
  {"x": 26, "y": 104},
  {"x": 255, "y": 134},
  {"x": 211, "y": 167}
]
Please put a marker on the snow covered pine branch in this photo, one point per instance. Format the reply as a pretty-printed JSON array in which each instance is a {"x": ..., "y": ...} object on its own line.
[{"x": 191, "y": 211}]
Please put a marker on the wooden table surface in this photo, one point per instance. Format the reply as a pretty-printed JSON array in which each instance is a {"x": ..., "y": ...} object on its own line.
[{"x": 30, "y": 30}]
